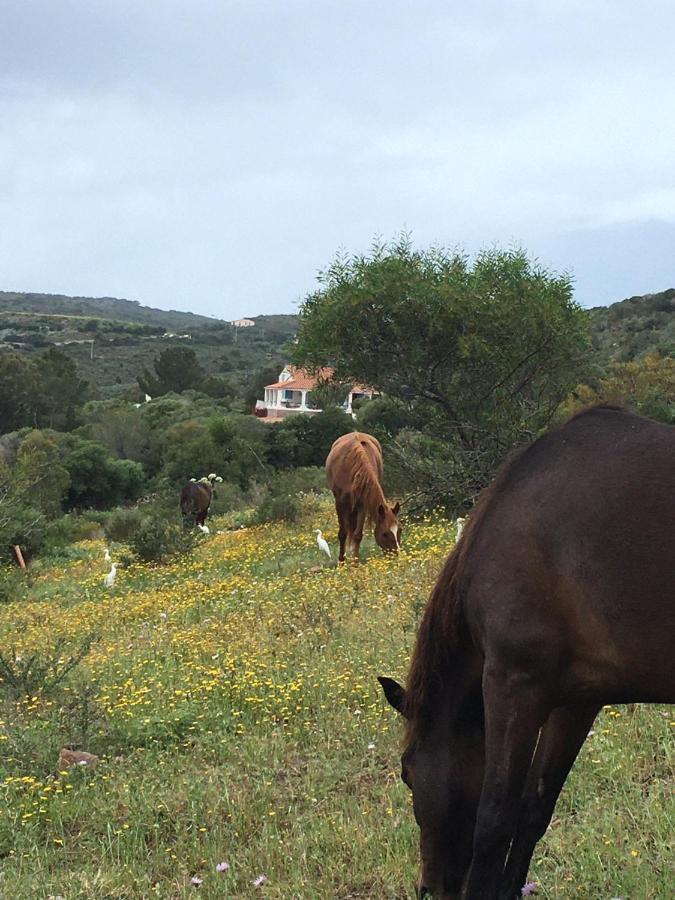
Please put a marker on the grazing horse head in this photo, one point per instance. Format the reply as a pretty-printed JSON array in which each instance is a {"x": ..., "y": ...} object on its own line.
[
  {"x": 443, "y": 765},
  {"x": 388, "y": 529},
  {"x": 557, "y": 600}
]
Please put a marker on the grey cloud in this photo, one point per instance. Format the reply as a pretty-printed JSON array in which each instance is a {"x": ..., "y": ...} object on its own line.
[{"x": 213, "y": 155}]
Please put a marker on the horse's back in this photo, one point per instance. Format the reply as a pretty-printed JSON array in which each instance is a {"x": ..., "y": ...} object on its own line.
[
  {"x": 195, "y": 497},
  {"x": 573, "y": 556},
  {"x": 340, "y": 460}
]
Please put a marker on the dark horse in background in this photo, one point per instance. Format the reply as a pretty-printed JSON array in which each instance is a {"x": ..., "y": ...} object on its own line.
[
  {"x": 195, "y": 500},
  {"x": 354, "y": 473},
  {"x": 558, "y": 599}
]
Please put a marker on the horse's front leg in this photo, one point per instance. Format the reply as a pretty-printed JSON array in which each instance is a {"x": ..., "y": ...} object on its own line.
[
  {"x": 357, "y": 534},
  {"x": 514, "y": 712},
  {"x": 343, "y": 532},
  {"x": 561, "y": 739}
]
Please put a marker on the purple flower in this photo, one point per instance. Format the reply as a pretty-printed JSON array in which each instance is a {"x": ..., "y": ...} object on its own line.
[
  {"x": 222, "y": 867},
  {"x": 196, "y": 880},
  {"x": 259, "y": 880},
  {"x": 529, "y": 888}
]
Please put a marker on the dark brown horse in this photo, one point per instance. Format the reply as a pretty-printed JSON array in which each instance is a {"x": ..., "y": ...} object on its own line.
[
  {"x": 559, "y": 598},
  {"x": 195, "y": 500},
  {"x": 354, "y": 472}
]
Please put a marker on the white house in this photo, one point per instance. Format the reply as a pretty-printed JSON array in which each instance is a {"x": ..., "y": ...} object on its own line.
[
  {"x": 292, "y": 393},
  {"x": 242, "y": 323}
]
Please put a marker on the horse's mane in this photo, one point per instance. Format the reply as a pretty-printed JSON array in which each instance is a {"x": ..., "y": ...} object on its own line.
[
  {"x": 441, "y": 635},
  {"x": 365, "y": 480}
]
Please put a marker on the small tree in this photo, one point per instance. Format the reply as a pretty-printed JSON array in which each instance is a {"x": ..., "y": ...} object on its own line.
[{"x": 39, "y": 475}]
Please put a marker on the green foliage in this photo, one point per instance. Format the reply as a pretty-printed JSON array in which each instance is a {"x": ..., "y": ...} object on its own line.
[
  {"x": 303, "y": 440},
  {"x": 282, "y": 508},
  {"x": 634, "y": 327},
  {"x": 156, "y": 539},
  {"x": 176, "y": 369},
  {"x": 646, "y": 384},
  {"x": 18, "y": 391},
  {"x": 383, "y": 417},
  {"x": 480, "y": 352},
  {"x": 39, "y": 474},
  {"x": 96, "y": 478},
  {"x": 328, "y": 394},
  {"x": 62, "y": 391},
  {"x": 20, "y": 522},
  {"x": 122, "y": 522}
]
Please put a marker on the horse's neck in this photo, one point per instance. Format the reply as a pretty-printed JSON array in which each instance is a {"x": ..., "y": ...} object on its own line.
[{"x": 373, "y": 495}]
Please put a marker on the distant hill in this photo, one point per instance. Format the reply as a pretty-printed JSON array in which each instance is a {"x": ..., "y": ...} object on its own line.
[
  {"x": 112, "y": 340},
  {"x": 633, "y": 327},
  {"x": 109, "y": 308}
]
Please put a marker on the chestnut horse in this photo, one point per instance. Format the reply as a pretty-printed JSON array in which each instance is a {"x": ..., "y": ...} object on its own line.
[
  {"x": 558, "y": 599},
  {"x": 354, "y": 472},
  {"x": 195, "y": 500}
]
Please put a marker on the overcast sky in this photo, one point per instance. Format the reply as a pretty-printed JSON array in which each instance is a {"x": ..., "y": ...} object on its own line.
[{"x": 212, "y": 155}]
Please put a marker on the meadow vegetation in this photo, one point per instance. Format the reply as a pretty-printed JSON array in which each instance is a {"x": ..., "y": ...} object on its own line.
[{"x": 231, "y": 697}]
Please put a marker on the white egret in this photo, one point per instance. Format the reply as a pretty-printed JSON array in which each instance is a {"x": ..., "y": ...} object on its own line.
[
  {"x": 460, "y": 523},
  {"x": 109, "y": 579},
  {"x": 148, "y": 398},
  {"x": 323, "y": 543},
  {"x": 204, "y": 529},
  {"x": 106, "y": 556}
]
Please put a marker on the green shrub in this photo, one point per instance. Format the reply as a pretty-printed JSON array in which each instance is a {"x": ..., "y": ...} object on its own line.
[
  {"x": 305, "y": 480},
  {"x": 12, "y": 583},
  {"x": 155, "y": 539},
  {"x": 20, "y": 525},
  {"x": 122, "y": 522},
  {"x": 275, "y": 509}
]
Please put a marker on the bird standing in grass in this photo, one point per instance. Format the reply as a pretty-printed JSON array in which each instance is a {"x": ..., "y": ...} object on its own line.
[
  {"x": 109, "y": 579},
  {"x": 106, "y": 556},
  {"x": 204, "y": 529},
  {"x": 323, "y": 543}
]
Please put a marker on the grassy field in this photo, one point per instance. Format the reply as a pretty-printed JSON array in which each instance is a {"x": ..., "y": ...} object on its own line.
[{"x": 233, "y": 702}]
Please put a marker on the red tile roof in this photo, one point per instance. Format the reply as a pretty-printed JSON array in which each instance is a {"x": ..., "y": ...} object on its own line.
[{"x": 301, "y": 380}]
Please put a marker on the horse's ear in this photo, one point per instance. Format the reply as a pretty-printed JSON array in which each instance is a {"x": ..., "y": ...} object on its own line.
[
  {"x": 396, "y": 508},
  {"x": 394, "y": 692}
]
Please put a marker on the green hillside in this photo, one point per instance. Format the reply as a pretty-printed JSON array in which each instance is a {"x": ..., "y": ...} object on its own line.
[
  {"x": 633, "y": 327},
  {"x": 113, "y": 340}
]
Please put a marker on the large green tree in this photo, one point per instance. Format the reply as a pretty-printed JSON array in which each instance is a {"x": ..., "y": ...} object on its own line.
[
  {"x": 478, "y": 353},
  {"x": 177, "y": 369},
  {"x": 62, "y": 391},
  {"x": 18, "y": 392}
]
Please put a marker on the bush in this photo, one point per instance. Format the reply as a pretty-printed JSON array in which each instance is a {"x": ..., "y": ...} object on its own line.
[
  {"x": 306, "y": 480},
  {"x": 156, "y": 540},
  {"x": 12, "y": 583},
  {"x": 21, "y": 525},
  {"x": 122, "y": 523},
  {"x": 275, "y": 509},
  {"x": 62, "y": 532}
]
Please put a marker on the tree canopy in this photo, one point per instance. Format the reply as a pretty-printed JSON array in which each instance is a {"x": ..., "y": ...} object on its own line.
[
  {"x": 176, "y": 369},
  {"x": 479, "y": 353}
]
